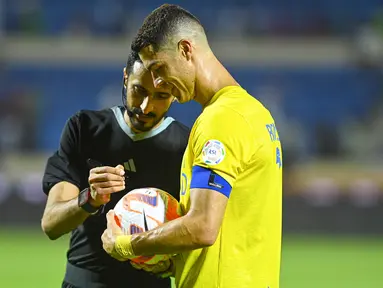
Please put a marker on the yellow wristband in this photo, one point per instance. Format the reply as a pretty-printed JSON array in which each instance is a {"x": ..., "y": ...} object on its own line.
[{"x": 123, "y": 246}]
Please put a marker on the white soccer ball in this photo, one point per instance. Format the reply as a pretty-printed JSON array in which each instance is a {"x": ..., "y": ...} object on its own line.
[{"x": 144, "y": 209}]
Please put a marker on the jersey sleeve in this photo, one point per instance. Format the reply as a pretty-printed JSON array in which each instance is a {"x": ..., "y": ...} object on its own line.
[
  {"x": 220, "y": 146},
  {"x": 64, "y": 164}
]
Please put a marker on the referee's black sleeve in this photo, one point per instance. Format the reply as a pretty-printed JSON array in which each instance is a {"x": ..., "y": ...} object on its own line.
[{"x": 64, "y": 164}]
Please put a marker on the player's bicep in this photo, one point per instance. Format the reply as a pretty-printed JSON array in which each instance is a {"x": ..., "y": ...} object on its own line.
[
  {"x": 208, "y": 207},
  {"x": 209, "y": 193}
]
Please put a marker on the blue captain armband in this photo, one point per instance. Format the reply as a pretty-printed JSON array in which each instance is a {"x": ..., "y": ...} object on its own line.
[{"x": 204, "y": 178}]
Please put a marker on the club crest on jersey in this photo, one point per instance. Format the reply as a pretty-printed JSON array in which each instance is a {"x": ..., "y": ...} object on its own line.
[{"x": 213, "y": 152}]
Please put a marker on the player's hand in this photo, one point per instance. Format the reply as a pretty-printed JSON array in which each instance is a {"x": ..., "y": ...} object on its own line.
[
  {"x": 105, "y": 180},
  {"x": 109, "y": 238},
  {"x": 163, "y": 269}
]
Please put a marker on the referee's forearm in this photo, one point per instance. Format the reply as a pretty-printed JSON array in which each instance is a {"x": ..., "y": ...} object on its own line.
[{"x": 62, "y": 217}]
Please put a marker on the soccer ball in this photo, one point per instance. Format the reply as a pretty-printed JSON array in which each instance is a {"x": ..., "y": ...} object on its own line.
[{"x": 144, "y": 209}]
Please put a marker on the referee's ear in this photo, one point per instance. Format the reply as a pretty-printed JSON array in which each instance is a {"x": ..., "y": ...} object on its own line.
[{"x": 125, "y": 77}]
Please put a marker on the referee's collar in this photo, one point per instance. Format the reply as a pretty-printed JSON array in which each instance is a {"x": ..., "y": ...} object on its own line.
[
  {"x": 224, "y": 90},
  {"x": 143, "y": 135}
]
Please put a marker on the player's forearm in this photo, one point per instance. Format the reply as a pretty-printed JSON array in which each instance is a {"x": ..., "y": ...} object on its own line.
[
  {"x": 62, "y": 217},
  {"x": 182, "y": 234}
]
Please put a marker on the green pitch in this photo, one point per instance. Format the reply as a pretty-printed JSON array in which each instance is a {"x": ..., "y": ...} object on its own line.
[{"x": 29, "y": 259}]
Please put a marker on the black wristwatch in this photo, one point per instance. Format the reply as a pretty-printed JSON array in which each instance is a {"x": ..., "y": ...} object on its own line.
[{"x": 83, "y": 202}]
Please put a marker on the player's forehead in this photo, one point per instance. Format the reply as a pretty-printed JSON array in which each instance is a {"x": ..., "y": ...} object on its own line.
[
  {"x": 151, "y": 58},
  {"x": 140, "y": 76}
]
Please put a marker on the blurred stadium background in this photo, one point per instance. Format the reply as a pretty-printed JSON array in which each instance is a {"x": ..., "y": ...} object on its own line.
[{"x": 317, "y": 65}]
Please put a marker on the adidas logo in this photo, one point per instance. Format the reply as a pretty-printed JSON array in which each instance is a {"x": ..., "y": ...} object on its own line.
[{"x": 129, "y": 166}]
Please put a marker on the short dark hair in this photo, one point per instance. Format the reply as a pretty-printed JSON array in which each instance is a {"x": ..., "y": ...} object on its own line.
[
  {"x": 132, "y": 58},
  {"x": 160, "y": 24}
]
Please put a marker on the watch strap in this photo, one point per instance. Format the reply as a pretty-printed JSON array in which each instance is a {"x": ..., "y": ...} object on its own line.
[
  {"x": 86, "y": 205},
  {"x": 90, "y": 209}
]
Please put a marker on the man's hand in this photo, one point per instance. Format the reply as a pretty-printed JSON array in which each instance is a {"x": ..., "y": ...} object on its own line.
[
  {"x": 163, "y": 269},
  {"x": 103, "y": 181},
  {"x": 114, "y": 242}
]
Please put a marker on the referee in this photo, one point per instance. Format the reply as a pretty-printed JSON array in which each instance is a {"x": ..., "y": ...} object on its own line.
[{"x": 118, "y": 149}]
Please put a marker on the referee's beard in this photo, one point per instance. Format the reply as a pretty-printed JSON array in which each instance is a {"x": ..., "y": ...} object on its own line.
[{"x": 147, "y": 121}]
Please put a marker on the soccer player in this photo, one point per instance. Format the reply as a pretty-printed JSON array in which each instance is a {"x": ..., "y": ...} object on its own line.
[
  {"x": 112, "y": 150},
  {"x": 231, "y": 176}
]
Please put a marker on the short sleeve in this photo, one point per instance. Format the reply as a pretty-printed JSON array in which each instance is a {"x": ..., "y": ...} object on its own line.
[
  {"x": 219, "y": 144},
  {"x": 64, "y": 164}
]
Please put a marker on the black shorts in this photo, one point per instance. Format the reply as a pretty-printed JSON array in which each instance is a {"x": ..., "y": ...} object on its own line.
[
  {"x": 85, "y": 278},
  {"x": 67, "y": 285}
]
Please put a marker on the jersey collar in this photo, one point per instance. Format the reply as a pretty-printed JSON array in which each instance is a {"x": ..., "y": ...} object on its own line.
[
  {"x": 222, "y": 91},
  {"x": 143, "y": 135}
]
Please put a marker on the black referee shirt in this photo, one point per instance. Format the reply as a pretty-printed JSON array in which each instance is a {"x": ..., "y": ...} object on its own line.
[{"x": 151, "y": 159}]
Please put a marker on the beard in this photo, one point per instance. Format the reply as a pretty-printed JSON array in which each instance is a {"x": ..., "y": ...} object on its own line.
[{"x": 143, "y": 126}]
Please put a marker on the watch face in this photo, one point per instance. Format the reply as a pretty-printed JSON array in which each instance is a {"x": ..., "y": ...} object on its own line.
[{"x": 83, "y": 197}]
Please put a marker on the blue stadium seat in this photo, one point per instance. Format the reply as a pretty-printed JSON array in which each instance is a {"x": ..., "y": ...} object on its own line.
[
  {"x": 310, "y": 96},
  {"x": 340, "y": 16}
]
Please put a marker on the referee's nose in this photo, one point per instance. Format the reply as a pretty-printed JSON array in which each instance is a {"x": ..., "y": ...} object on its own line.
[{"x": 146, "y": 105}]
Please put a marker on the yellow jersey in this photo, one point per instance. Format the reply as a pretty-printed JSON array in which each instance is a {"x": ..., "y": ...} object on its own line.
[{"x": 235, "y": 138}]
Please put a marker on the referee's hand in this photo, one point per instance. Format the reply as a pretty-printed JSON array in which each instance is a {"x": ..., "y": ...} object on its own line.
[{"x": 106, "y": 180}]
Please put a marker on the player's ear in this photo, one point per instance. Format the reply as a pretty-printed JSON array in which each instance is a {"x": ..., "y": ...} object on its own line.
[{"x": 185, "y": 47}]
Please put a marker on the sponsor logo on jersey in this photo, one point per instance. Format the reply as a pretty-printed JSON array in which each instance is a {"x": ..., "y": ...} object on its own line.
[{"x": 129, "y": 166}]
